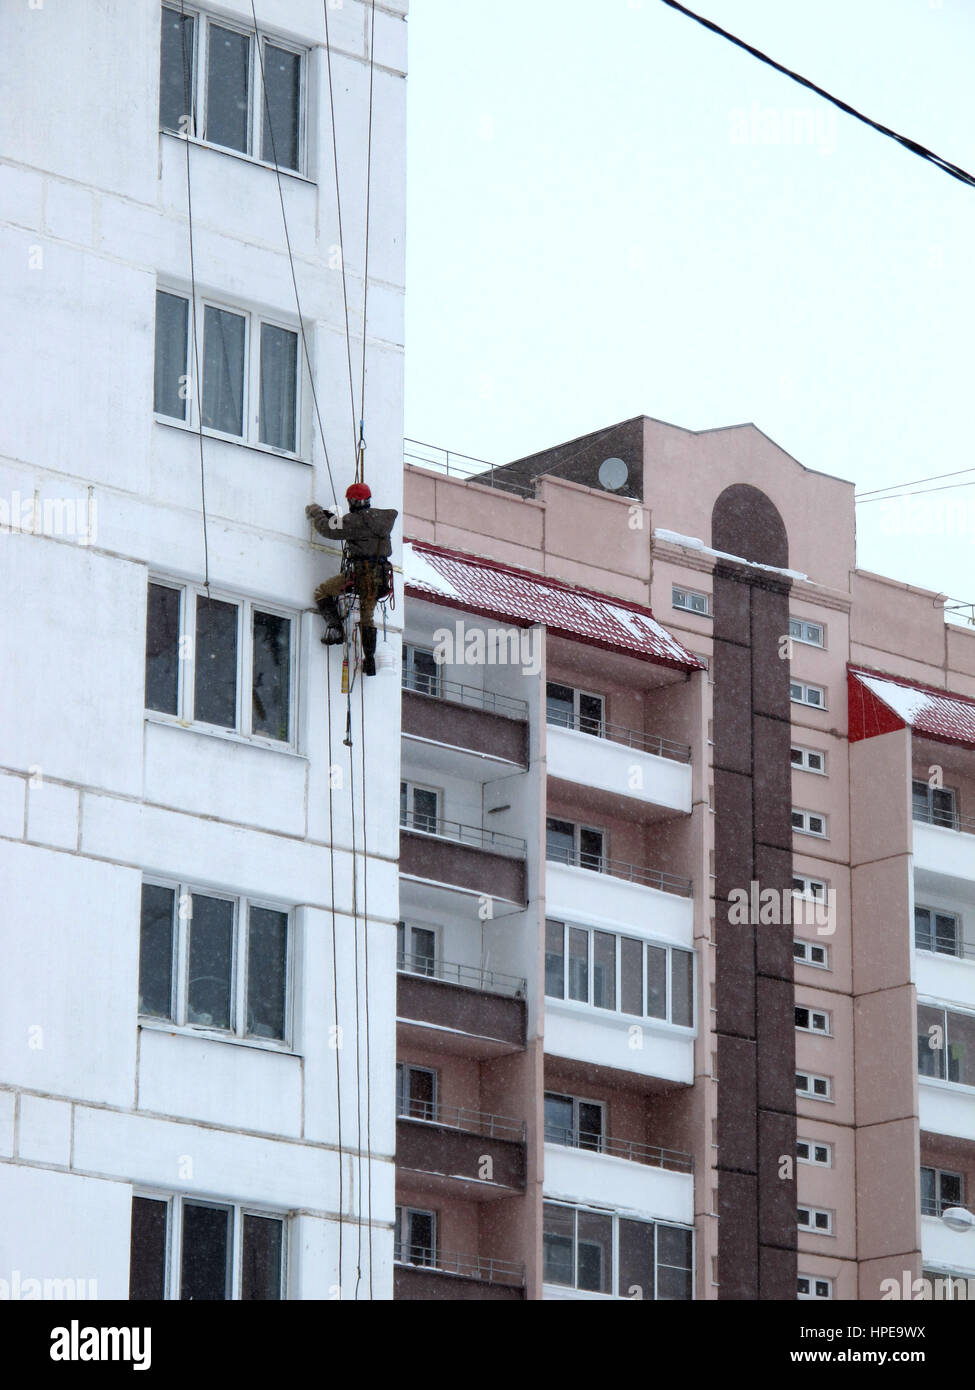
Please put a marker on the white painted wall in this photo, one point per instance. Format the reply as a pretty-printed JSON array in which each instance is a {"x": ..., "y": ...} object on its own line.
[
  {"x": 613, "y": 767},
  {"x": 581, "y": 1177},
  {"x": 92, "y": 794}
]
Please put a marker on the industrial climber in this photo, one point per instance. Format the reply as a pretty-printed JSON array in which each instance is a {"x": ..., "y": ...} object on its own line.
[{"x": 365, "y": 571}]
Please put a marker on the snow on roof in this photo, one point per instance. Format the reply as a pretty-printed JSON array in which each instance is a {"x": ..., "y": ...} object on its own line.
[
  {"x": 936, "y": 713},
  {"x": 519, "y": 596},
  {"x": 693, "y": 543}
]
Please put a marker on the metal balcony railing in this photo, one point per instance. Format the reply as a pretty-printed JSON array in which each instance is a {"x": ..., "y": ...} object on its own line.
[
  {"x": 617, "y": 868},
  {"x": 471, "y": 976},
  {"x": 453, "y": 465},
  {"x": 421, "y": 683},
  {"x": 459, "y": 1117},
  {"x": 934, "y": 1206},
  {"x": 946, "y": 946},
  {"x": 671, "y": 1159},
  {"x": 618, "y": 733},
  {"x": 947, "y": 820},
  {"x": 459, "y": 834},
  {"x": 485, "y": 1268}
]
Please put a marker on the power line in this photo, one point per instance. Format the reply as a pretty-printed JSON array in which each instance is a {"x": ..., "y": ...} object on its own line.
[
  {"x": 931, "y": 478},
  {"x": 921, "y": 492},
  {"x": 945, "y": 165}
]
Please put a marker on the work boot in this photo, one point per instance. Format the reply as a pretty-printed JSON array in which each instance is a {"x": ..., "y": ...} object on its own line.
[
  {"x": 334, "y": 631},
  {"x": 368, "y": 651}
]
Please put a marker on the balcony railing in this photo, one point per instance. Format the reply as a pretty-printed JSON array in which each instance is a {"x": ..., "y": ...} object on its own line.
[
  {"x": 475, "y": 835},
  {"x": 481, "y": 1267},
  {"x": 947, "y": 820},
  {"x": 934, "y": 1206},
  {"x": 490, "y": 981},
  {"x": 671, "y": 1159},
  {"x": 453, "y": 465},
  {"x": 421, "y": 683},
  {"x": 947, "y": 946},
  {"x": 617, "y": 733},
  {"x": 459, "y": 1117},
  {"x": 617, "y": 868}
]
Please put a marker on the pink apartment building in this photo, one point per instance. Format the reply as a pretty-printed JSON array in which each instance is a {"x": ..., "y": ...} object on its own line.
[{"x": 686, "y": 972}]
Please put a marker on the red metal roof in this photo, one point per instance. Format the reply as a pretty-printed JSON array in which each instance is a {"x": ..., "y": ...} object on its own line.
[
  {"x": 880, "y": 703},
  {"x": 492, "y": 590}
]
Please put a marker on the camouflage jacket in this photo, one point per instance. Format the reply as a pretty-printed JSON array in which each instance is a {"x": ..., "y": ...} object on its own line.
[{"x": 364, "y": 534}]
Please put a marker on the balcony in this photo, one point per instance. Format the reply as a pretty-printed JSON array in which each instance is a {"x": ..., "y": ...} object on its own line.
[
  {"x": 480, "y": 1013},
  {"x": 620, "y": 762},
  {"x": 944, "y": 844},
  {"x": 448, "y": 714},
  {"x": 945, "y": 1249},
  {"x": 444, "y": 1148},
  {"x": 642, "y": 1178},
  {"x": 468, "y": 857},
  {"x": 421, "y": 1273},
  {"x": 587, "y": 888}
]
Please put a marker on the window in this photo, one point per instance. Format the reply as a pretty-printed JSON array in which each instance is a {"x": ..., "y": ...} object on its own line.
[
  {"x": 213, "y": 962},
  {"x": 802, "y": 694},
  {"x": 566, "y": 843},
  {"x": 937, "y": 931},
  {"x": 419, "y": 808},
  {"x": 808, "y": 760},
  {"x": 809, "y": 823},
  {"x": 416, "y": 1092},
  {"x": 805, "y": 887},
  {"x": 812, "y": 1151},
  {"x": 691, "y": 601},
  {"x": 420, "y": 671},
  {"x": 249, "y": 367},
  {"x": 619, "y": 973},
  {"x": 415, "y": 1240},
  {"x": 184, "y": 1248},
  {"x": 809, "y": 953},
  {"x": 213, "y": 84},
  {"x": 813, "y": 1087},
  {"x": 946, "y": 1044},
  {"x": 239, "y": 648},
  {"x": 580, "y": 1124},
  {"x": 940, "y": 1190},
  {"x": 600, "y": 1252},
  {"x": 810, "y": 1287},
  {"x": 569, "y": 708},
  {"x": 815, "y": 1220},
  {"x": 416, "y": 949},
  {"x": 934, "y": 805},
  {"x": 811, "y": 1020},
  {"x": 813, "y": 634}
]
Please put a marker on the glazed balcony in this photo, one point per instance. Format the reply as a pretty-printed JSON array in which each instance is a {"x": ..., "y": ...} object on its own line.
[
  {"x": 468, "y": 857},
  {"x": 610, "y": 758},
  {"x": 421, "y": 1273},
  {"x": 582, "y": 1168},
  {"x": 442, "y": 1150},
  {"x": 448, "y": 714},
  {"x": 479, "y": 1012}
]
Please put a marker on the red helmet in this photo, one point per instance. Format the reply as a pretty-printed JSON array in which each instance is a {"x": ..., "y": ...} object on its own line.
[{"x": 358, "y": 492}]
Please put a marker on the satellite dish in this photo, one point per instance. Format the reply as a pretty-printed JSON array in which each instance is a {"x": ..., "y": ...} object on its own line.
[{"x": 613, "y": 474}]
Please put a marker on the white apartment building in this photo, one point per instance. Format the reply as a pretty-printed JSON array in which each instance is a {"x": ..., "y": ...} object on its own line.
[{"x": 196, "y": 1098}]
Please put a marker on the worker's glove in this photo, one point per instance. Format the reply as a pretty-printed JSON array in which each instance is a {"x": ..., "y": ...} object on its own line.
[{"x": 313, "y": 510}]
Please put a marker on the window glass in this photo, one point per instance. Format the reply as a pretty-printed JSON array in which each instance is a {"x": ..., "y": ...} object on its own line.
[
  {"x": 656, "y": 982},
  {"x": 591, "y": 848},
  {"x": 211, "y": 961},
  {"x": 156, "y": 951},
  {"x": 594, "y": 1252},
  {"x": 590, "y": 1125},
  {"x": 216, "y": 662},
  {"x": 931, "y": 1059},
  {"x": 263, "y": 1239},
  {"x": 420, "y": 1238},
  {"x": 172, "y": 318},
  {"x": 282, "y": 79},
  {"x": 176, "y": 70},
  {"x": 422, "y": 671},
  {"x": 424, "y": 951},
  {"x": 279, "y": 386},
  {"x": 558, "y": 1119},
  {"x": 591, "y": 714},
  {"x": 604, "y": 970},
  {"x": 162, "y": 649},
  {"x": 578, "y": 964},
  {"x": 228, "y": 87},
  {"x": 682, "y": 987},
  {"x": 147, "y": 1249},
  {"x": 557, "y": 1239},
  {"x": 205, "y": 1264},
  {"x": 271, "y": 694},
  {"x": 555, "y": 960},
  {"x": 946, "y": 934},
  {"x": 267, "y": 972},
  {"x": 961, "y": 1048},
  {"x": 224, "y": 337},
  {"x": 674, "y": 1258},
  {"x": 636, "y": 1259},
  {"x": 425, "y": 815},
  {"x": 560, "y": 841},
  {"x": 631, "y": 975},
  {"x": 559, "y": 707}
]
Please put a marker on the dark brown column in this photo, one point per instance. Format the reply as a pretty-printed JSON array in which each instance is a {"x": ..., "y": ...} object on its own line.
[{"x": 755, "y": 997}]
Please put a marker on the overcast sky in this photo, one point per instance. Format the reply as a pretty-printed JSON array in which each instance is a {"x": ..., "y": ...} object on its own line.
[{"x": 613, "y": 212}]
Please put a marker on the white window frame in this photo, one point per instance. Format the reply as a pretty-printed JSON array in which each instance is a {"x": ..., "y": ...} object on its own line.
[
  {"x": 940, "y": 1173},
  {"x": 402, "y": 1232},
  {"x": 617, "y": 1012},
  {"x": 823, "y": 1028},
  {"x": 411, "y": 789},
  {"x": 174, "y": 1236},
  {"x": 809, "y": 887},
  {"x": 576, "y": 1101},
  {"x": 407, "y": 927},
  {"x": 203, "y": 19},
  {"x": 577, "y": 828},
  {"x": 929, "y": 819},
  {"x": 807, "y": 822},
  {"x": 809, "y": 1226},
  {"x": 404, "y": 1070},
  {"x": 804, "y": 624},
  {"x": 238, "y": 970},
  {"x": 254, "y": 320},
  {"x": 186, "y": 685},
  {"x": 576, "y": 725},
  {"x": 804, "y": 755},
  {"x": 810, "y": 1155},
  {"x": 617, "y": 1217},
  {"x": 935, "y": 913},
  {"x": 809, "y": 1093},
  {"x": 804, "y": 688},
  {"x": 805, "y": 958},
  {"x": 813, "y": 1281},
  {"x": 681, "y": 596},
  {"x": 410, "y": 650}
]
